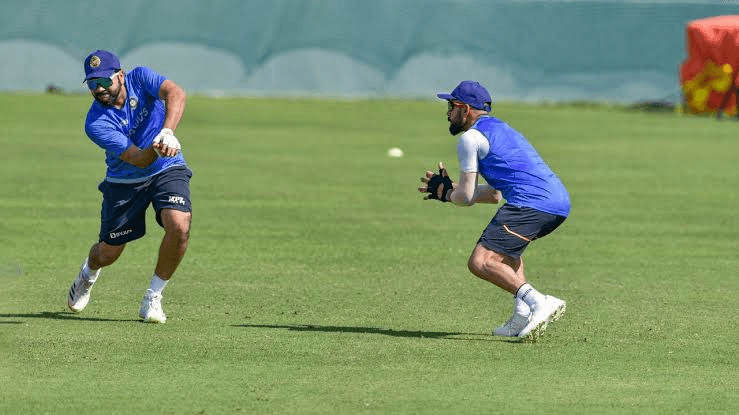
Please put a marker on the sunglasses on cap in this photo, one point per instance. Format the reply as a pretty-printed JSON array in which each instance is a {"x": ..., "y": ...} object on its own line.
[{"x": 103, "y": 82}]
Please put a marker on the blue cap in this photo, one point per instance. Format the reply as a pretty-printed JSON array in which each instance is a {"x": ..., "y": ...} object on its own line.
[
  {"x": 101, "y": 64},
  {"x": 471, "y": 93}
]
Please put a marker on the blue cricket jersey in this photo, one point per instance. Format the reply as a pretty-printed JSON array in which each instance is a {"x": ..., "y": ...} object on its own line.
[
  {"x": 138, "y": 123},
  {"x": 515, "y": 168}
]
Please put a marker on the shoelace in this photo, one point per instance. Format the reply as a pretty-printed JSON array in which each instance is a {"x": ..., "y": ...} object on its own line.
[{"x": 156, "y": 301}]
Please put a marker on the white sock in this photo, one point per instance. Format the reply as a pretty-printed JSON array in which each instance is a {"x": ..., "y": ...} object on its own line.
[
  {"x": 157, "y": 284},
  {"x": 529, "y": 295},
  {"x": 520, "y": 307},
  {"x": 88, "y": 274}
]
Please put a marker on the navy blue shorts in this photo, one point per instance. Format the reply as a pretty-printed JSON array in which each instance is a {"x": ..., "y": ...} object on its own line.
[
  {"x": 513, "y": 228},
  {"x": 123, "y": 216}
]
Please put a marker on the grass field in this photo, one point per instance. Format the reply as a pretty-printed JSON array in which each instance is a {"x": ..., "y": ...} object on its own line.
[{"x": 318, "y": 282}]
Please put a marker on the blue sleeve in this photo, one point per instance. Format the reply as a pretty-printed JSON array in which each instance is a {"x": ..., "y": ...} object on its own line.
[
  {"x": 107, "y": 137},
  {"x": 148, "y": 80}
]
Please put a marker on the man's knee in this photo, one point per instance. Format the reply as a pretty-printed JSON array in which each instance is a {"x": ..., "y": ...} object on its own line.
[
  {"x": 481, "y": 258},
  {"x": 102, "y": 254},
  {"x": 177, "y": 224}
]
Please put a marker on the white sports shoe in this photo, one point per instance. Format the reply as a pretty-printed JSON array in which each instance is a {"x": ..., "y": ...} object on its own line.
[
  {"x": 151, "y": 308},
  {"x": 513, "y": 326},
  {"x": 549, "y": 310},
  {"x": 79, "y": 292}
]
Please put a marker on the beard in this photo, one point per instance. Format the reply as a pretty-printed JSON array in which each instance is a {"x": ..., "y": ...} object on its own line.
[
  {"x": 108, "y": 96},
  {"x": 455, "y": 128},
  {"x": 456, "y": 124}
]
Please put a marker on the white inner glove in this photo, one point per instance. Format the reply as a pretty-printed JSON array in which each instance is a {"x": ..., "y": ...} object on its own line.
[{"x": 167, "y": 138}]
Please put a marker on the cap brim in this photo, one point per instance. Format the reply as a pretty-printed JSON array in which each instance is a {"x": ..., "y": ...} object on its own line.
[
  {"x": 103, "y": 73},
  {"x": 445, "y": 96}
]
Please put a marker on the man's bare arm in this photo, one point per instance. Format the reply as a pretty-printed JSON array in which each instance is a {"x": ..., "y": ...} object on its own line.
[
  {"x": 174, "y": 101},
  {"x": 140, "y": 158},
  {"x": 468, "y": 192}
]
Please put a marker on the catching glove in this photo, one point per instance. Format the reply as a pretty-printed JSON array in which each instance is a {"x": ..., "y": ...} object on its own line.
[{"x": 441, "y": 179}]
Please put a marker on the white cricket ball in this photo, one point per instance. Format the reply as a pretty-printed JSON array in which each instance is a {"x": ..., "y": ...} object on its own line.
[{"x": 395, "y": 152}]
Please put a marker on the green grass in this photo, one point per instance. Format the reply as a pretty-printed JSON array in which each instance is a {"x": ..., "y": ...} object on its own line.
[{"x": 318, "y": 281}]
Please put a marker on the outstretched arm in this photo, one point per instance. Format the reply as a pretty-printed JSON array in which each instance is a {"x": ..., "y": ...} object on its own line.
[{"x": 465, "y": 193}]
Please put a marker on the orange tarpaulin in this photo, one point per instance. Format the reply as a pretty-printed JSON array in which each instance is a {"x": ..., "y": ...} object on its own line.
[{"x": 710, "y": 73}]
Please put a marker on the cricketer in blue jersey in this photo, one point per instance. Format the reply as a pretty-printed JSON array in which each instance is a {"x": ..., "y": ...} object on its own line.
[
  {"x": 133, "y": 118},
  {"x": 536, "y": 203}
]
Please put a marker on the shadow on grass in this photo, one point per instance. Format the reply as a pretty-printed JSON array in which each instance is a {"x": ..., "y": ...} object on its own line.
[
  {"x": 55, "y": 315},
  {"x": 440, "y": 335}
]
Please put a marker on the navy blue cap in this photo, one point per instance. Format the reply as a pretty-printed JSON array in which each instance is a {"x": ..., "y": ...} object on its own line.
[
  {"x": 101, "y": 64},
  {"x": 471, "y": 93}
]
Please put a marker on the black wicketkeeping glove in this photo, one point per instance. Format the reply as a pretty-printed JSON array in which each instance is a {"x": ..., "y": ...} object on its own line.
[{"x": 437, "y": 180}]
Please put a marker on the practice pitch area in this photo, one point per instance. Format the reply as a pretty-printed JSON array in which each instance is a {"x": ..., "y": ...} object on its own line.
[{"x": 318, "y": 281}]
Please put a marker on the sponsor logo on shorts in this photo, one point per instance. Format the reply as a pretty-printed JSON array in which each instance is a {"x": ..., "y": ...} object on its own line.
[
  {"x": 114, "y": 235},
  {"x": 177, "y": 199}
]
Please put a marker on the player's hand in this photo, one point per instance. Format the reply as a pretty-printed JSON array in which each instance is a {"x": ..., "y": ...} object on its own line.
[
  {"x": 166, "y": 144},
  {"x": 437, "y": 185}
]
